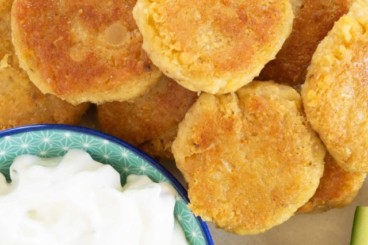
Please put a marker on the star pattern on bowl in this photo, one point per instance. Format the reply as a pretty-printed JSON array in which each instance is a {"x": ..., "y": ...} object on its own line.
[{"x": 53, "y": 143}]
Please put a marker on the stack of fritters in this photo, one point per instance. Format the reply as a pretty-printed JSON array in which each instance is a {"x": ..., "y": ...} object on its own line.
[
  {"x": 210, "y": 157},
  {"x": 253, "y": 153}
]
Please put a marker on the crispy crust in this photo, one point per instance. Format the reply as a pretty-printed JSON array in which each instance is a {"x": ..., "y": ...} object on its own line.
[
  {"x": 213, "y": 46},
  {"x": 82, "y": 50},
  {"x": 312, "y": 23},
  {"x": 21, "y": 102},
  {"x": 336, "y": 189},
  {"x": 151, "y": 121},
  {"x": 6, "y": 47},
  {"x": 250, "y": 158},
  {"x": 335, "y": 94}
]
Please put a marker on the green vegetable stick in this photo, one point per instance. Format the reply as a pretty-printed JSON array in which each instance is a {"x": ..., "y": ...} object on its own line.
[{"x": 359, "y": 235}]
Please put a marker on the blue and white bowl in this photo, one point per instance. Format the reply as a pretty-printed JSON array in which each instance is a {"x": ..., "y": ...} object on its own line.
[{"x": 56, "y": 140}]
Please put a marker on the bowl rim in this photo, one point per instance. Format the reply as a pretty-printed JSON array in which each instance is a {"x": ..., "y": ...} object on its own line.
[{"x": 94, "y": 132}]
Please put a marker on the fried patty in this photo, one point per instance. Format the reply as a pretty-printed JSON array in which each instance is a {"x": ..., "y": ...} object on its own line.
[
  {"x": 21, "y": 103},
  {"x": 335, "y": 94},
  {"x": 6, "y": 47},
  {"x": 82, "y": 50},
  {"x": 213, "y": 46},
  {"x": 313, "y": 21},
  {"x": 250, "y": 158},
  {"x": 150, "y": 121},
  {"x": 336, "y": 189}
]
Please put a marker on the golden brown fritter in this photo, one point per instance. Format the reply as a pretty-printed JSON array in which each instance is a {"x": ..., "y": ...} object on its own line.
[
  {"x": 151, "y": 121},
  {"x": 337, "y": 188},
  {"x": 6, "y": 47},
  {"x": 82, "y": 50},
  {"x": 21, "y": 102},
  {"x": 335, "y": 94},
  {"x": 312, "y": 22},
  {"x": 213, "y": 46},
  {"x": 250, "y": 158}
]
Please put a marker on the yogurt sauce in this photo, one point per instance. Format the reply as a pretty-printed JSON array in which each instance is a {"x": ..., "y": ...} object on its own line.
[{"x": 75, "y": 200}]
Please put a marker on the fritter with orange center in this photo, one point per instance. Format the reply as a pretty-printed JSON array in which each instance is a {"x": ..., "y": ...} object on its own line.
[
  {"x": 335, "y": 94},
  {"x": 82, "y": 50},
  {"x": 210, "y": 45},
  {"x": 21, "y": 103},
  {"x": 250, "y": 158}
]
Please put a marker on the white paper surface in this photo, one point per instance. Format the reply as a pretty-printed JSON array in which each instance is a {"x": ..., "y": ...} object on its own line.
[{"x": 329, "y": 228}]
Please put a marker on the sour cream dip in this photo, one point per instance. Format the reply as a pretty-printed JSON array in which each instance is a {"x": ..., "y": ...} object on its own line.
[{"x": 74, "y": 200}]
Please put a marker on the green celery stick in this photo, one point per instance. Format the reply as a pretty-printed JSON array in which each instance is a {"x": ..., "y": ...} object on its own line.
[{"x": 359, "y": 235}]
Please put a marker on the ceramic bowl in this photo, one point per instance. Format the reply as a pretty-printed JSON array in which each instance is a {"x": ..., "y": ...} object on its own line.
[{"x": 56, "y": 140}]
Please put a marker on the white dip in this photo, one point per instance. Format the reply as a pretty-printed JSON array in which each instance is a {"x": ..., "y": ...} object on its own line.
[{"x": 75, "y": 200}]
